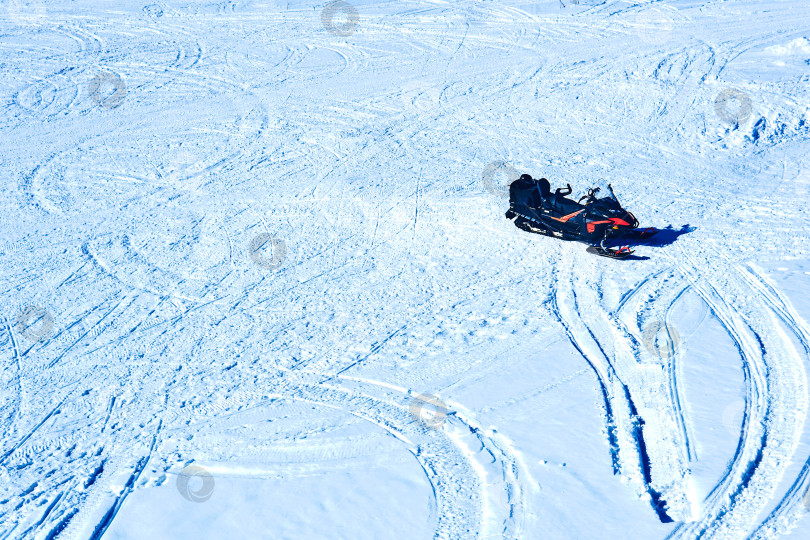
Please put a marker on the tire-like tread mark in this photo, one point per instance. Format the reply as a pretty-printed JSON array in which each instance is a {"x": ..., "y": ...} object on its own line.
[
  {"x": 722, "y": 497},
  {"x": 63, "y": 523},
  {"x": 634, "y": 424},
  {"x": 790, "y": 507},
  {"x": 106, "y": 521},
  {"x": 610, "y": 423},
  {"x": 674, "y": 389},
  {"x": 22, "y": 441}
]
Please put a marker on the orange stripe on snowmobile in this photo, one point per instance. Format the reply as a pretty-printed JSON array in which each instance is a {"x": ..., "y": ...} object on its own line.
[
  {"x": 566, "y": 218},
  {"x": 592, "y": 224}
]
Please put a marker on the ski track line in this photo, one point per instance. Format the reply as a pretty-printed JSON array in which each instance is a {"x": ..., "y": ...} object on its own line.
[
  {"x": 451, "y": 474},
  {"x": 18, "y": 375},
  {"x": 790, "y": 508},
  {"x": 750, "y": 444},
  {"x": 45, "y": 514},
  {"x": 630, "y": 294},
  {"x": 775, "y": 389},
  {"x": 63, "y": 91},
  {"x": 598, "y": 369},
  {"x": 498, "y": 453},
  {"x": 107, "y": 520},
  {"x": 89, "y": 330},
  {"x": 475, "y": 476},
  {"x": 653, "y": 313},
  {"x": 675, "y": 393},
  {"x": 628, "y": 447},
  {"x": 661, "y": 451},
  {"x": 33, "y": 430},
  {"x": 482, "y": 453}
]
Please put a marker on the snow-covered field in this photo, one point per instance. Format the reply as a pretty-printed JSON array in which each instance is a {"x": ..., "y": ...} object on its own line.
[{"x": 257, "y": 282}]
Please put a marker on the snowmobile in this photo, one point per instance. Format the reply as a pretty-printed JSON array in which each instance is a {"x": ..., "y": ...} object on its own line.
[{"x": 597, "y": 218}]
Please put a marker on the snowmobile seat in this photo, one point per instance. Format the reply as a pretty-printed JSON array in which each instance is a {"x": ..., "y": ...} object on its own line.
[
  {"x": 565, "y": 206},
  {"x": 544, "y": 187}
]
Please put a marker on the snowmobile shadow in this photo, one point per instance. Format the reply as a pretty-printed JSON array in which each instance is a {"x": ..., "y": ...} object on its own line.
[
  {"x": 636, "y": 258},
  {"x": 665, "y": 237}
]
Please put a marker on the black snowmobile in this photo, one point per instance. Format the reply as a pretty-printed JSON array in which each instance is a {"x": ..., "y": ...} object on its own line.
[{"x": 597, "y": 218}]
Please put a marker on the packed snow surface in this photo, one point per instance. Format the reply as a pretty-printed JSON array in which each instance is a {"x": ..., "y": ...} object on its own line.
[{"x": 257, "y": 281}]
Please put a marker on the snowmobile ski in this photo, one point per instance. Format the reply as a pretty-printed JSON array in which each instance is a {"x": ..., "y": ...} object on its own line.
[{"x": 621, "y": 253}]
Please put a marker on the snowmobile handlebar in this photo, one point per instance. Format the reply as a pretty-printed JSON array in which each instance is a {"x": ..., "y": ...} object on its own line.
[
  {"x": 565, "y": 193},
  {"x": 589, "y": 197}
]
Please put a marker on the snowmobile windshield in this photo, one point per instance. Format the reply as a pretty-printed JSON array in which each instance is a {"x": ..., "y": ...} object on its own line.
[
  {"x": 603, "y": 191},
  {"x": 602, "y": 201}
]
